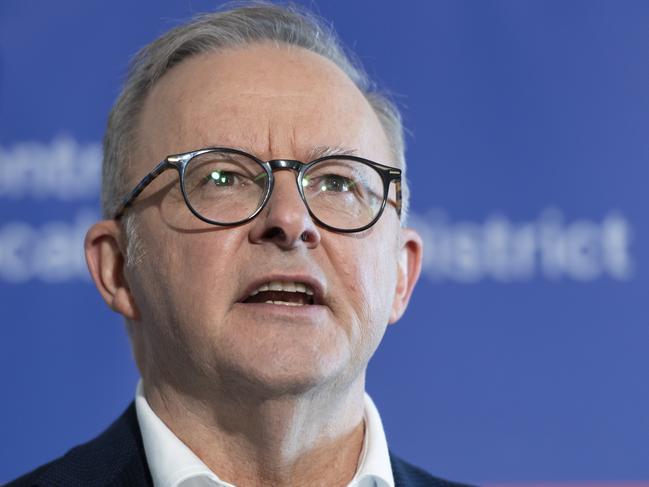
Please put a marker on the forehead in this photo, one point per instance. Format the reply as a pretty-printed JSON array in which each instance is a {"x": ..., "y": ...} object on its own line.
[{"x": 275, "y": 101}]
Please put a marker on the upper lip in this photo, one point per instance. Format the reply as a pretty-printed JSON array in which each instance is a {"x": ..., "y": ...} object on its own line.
[{"x": 314, "y": 283}]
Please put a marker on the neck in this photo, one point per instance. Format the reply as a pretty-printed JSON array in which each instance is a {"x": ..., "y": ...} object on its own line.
[{"x": 307, "y": 439}]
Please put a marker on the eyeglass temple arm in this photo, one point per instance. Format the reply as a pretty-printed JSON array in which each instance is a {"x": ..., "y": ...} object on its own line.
[
  {"x": 146, "y": 180},
  {"x": 395, "y": 175},
  {"x": 397, "y": 187}
]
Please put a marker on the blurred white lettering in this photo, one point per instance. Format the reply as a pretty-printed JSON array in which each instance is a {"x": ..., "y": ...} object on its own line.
[
  {"x": 52, "y": 253},
  {"x": 63, "y": 169},
  {"x": 504, "y": 251}
]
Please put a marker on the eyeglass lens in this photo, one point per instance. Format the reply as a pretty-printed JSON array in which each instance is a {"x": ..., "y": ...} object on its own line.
[{"x": 229, "y": 187}]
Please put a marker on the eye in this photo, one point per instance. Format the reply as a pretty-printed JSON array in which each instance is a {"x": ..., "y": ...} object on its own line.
[
  {"x": 329, "y": 183},
  {"x": 222, "y": 178}
]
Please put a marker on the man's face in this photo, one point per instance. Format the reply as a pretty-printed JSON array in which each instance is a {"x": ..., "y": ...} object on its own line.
[{"x": 195, "y": 324}]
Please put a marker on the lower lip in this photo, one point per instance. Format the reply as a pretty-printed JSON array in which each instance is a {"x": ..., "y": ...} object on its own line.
[{"x": 307, "y": 312}]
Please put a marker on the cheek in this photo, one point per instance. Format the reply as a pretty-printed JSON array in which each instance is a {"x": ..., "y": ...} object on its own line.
[
  {"x": 381, "y": 285},
  {"x": 184, "y": 277},
  {"x": 181, "y": 287},
  {"x": 369, "y": 280},
  {"x": 201, "y": 268}
]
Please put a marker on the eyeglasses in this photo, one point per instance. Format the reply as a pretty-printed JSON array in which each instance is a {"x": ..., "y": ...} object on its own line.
[{"x": 229, "y": 187}]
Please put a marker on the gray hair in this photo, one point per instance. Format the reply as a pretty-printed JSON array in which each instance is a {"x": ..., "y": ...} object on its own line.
[{"x": 257, "y": 22}]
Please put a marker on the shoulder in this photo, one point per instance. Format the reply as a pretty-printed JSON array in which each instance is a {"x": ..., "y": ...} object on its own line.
[
  {"x": 116, "y": 457},
  {"x": 408, "y": 475}
]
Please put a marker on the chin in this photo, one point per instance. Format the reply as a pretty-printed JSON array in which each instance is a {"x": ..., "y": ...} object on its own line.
[{"x": 277, "y": 376}]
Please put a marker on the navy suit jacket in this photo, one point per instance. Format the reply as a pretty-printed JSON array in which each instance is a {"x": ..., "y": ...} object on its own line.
[{"x": 117, "y": 458}]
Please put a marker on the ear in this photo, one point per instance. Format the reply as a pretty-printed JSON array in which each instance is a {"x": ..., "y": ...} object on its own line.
[
  {"x": 105, "y": 259},
  {"x": 409, "y": 268}
]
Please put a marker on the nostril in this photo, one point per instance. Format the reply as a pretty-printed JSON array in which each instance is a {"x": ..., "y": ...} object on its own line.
[
  {"x": 275, "y": 233},
  {"x": 310, "y": 237},
  {"x": 278, "y": 235}
]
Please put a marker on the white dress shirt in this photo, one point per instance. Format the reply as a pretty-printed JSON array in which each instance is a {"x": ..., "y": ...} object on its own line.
[{"x": 173, "y": 464}]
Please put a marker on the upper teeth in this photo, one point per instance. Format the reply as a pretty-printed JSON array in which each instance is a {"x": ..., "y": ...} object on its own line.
[{"x": 288, "y": 286}]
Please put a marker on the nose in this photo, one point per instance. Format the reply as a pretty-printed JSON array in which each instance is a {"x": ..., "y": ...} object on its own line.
[{"x": 285, "y": 221}]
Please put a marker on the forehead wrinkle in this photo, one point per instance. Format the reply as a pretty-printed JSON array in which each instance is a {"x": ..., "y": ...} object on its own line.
[
  {"x": 248, "y": 149},
  {"x": 278, "y": 94},
  {"x": 269, "y": 138}
]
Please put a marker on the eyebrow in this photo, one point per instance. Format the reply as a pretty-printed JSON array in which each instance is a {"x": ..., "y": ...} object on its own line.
[
  {"x": 316, "y": 153},
  {"x": 330, "y": 150}
]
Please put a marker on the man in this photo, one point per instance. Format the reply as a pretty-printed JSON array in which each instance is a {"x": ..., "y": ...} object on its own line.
[{"x": 253, "y": 303}]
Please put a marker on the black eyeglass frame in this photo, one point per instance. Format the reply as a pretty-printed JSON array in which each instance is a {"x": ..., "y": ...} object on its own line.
[{"x": 179, "y": 162}]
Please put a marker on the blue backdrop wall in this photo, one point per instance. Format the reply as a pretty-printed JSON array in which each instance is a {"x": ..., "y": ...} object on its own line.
[{"x": 523, "y": 357}]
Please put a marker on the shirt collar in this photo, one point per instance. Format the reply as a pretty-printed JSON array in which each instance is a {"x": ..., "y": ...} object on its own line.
[
  {"x": 374, "y": 468},
  {"x": 173, "y": 464}
]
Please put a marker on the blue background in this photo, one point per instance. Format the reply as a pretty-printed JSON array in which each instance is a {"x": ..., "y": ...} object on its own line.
[{"x": 513, "y": 108}]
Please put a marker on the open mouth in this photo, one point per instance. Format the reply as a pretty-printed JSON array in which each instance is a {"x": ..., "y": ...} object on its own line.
[{"x": 286, "y": 293}]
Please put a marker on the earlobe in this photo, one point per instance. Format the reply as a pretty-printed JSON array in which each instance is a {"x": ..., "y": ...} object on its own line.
[
  {"x": 105, "y": 259},
  {"x": 409, "y": 268}
]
